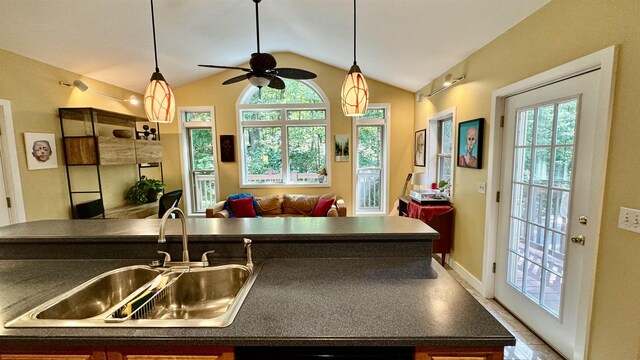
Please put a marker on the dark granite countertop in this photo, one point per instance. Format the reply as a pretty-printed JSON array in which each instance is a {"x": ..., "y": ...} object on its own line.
[
  {"x": 328, "y": 302},
  {"x": 383, "y": 228}
]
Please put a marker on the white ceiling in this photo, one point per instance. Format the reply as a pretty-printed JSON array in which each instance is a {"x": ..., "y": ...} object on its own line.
[{"x": 406, "y": 43}]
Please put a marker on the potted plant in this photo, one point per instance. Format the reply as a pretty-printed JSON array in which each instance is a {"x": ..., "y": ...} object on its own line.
[{"x": 145, "y": 190}]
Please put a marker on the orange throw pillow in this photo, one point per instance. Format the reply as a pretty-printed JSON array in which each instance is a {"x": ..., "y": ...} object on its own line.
[
  {"x": 322, "y": 207},
  {"x": 243, "y": 208}
]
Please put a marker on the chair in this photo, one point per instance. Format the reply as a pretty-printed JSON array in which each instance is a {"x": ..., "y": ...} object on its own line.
[{"x": 169, "y": 200}]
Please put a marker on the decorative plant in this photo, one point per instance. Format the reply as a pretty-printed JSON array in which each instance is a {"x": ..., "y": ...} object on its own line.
[
  {"x": 445, "y": 187},
  {"x": 145, "y": 190}
]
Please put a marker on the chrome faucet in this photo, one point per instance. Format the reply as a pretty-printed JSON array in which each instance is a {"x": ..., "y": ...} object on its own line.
[
  {"x": 247, "y": 246},
  {"x": 162, "y": 239}
]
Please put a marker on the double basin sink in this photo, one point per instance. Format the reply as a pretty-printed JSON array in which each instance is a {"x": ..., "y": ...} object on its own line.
[{"x": 189, "y": 297}]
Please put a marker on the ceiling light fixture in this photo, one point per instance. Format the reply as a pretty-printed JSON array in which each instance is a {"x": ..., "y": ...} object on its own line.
[
  {"x": 447, "y": 82},
  {"x": 355, "y": 92},
  {"x": 80, "y": 85},
  {"x": 159, "y": 103}
]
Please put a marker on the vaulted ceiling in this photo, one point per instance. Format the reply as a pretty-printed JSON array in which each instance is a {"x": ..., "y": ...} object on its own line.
[{"x": 405, "y": 43}]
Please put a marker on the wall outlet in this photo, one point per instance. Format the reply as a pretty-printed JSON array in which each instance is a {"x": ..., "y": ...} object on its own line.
[
  {"x": 482, "y": 187},
  {"x": 629, "y": 219}
]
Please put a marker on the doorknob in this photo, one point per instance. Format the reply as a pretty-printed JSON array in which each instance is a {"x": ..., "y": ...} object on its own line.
[{"x": 578, "y": 239}]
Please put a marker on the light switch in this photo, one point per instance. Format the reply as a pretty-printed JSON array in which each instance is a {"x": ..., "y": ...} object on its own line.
[
  {"x": 482, "y": 187},
  {"x": 629, "y": 219}
]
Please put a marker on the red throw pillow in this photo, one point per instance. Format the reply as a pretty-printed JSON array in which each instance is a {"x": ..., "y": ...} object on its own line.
[
  {"x": 243, "y": 208},
  {"x": 322, "y": 207}
]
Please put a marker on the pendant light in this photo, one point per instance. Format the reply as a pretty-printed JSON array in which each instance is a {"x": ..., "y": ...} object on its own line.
[
  {"x": 355, "y": 92},
  {"x": 159, "y": 103}
]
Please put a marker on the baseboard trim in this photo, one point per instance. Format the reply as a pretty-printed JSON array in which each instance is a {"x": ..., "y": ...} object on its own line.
[{"x": 466, "y": 275}]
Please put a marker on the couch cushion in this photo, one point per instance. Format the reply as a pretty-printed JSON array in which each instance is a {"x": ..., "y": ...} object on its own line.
[
  {"x": 322, "y": 207},
  {"x": 269, "y": 205},
  {"x": 299, "y": 204},
  {"x": 227, "y": 205},
  {"x": 243, "y": 208}
]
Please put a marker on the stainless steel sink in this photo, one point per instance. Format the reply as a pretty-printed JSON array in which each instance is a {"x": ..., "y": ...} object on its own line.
[{"x": 198, "y": 297}]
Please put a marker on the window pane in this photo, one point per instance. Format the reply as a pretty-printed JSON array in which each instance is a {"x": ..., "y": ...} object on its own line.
[
  {"x": 373, "y": 114},
  {"x": 538, "y": 212},
  {"x": 544, "y": 125},
  {"x": 533, "y": 279},
  {"x": 447, "y": 137},
  {"x": 369, "y": 189},
  {"x": 307, "y": 153},
  {"x": 552, "y": 292},
  {"x": 562, "y": 167},
  {"x": 515, "y": 272},
  {"x": 205, "y": 190},
  {"x": 566, "y": 122},
  {"x": 522, "y": 165},
  {"x": 520, "y": 201},
  {"x": 263, "y": 154},
  {"x": 295, "y": 92},
  {"x": 524, "y": 130},
  {"x": 542, "y": 158},
  {"x": 201, "y": 149},
  {"x": 559, "y": 210},
  {"x": 197, "y": 116},
  {"x": 518, "y": 236},
  {"x": 369, "y": 146},
  {"x": 306, "y": 114},
  {"x": 535, "y": 244},
  {"x": 261, "y": 115}
]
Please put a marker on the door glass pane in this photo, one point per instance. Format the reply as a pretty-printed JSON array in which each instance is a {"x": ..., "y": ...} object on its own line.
[
  {"x": 515, "y": 272},
  {"x": 552, "y": 293},
  {"x": 524, "y": 130},
  {"x": 522, "y": 165},
  {"x": 263, "y": 154},
  {"x": 369, "y": 146},
  {"x": 538, "y": 213},
  {"x": 559, "y": 210},
  {"x": 533, "y": 279},
  {"x": 307, "y": 155},
  {"x": 556, "y": 252},
  {"x": 544, "y": 125},
  {"x": 520, "y": 201},
  {"x": 566, "y": 122},
  {"x": 563, "y": 166},
  {"x": 201, "y": 149},
  {"x": 542, "y": 158},
  {"x": 535, "y": 244},
  {"x": 518, "y": 236}
]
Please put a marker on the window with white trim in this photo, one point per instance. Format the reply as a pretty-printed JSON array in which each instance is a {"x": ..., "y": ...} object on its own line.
[
  {"x": 370, "y": 163},
  {"x": 441, "y": 148},
  {"x": 283, "y": 136},
  {"x": 199, "y": 159}
]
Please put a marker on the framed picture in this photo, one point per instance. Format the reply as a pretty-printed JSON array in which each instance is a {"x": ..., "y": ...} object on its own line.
[
  {"x": 342, "y": 148},
  {"x": 41, "y": 151},
  {"x": 227, "y": 148},
  {"x": 470, "y": 143},
  {"x": 420, "y": 148}
]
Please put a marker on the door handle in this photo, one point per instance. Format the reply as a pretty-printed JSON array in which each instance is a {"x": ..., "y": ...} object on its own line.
[{"x": 578, "y": 239}]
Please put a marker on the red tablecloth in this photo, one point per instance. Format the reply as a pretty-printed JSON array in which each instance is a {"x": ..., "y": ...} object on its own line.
[{"x": 425, "y": 212}]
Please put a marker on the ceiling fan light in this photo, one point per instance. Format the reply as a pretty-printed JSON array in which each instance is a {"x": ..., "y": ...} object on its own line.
[
  {"x": 159, "y": 103},
  {"x": 355, "y": 93},
  {"x": 259, "y": 81}
]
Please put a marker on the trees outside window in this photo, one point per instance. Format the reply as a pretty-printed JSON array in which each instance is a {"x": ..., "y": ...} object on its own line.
[{"x": 284, "y": 135}]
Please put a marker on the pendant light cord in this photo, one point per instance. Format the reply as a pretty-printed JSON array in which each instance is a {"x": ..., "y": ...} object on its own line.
[
  {"x": 153, "y": 26},
  {"x": 354, "y": 32},
  {"x": 257, "y": 24}
]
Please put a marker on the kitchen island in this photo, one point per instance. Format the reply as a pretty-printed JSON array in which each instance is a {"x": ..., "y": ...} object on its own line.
[{"x": 345, "y": 295}]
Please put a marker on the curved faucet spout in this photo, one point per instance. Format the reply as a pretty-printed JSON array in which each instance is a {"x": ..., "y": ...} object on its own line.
[{"x": 162, "y": 239}]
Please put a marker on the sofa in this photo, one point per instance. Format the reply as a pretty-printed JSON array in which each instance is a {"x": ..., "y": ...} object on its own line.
[{"x": 287, "y": 205}]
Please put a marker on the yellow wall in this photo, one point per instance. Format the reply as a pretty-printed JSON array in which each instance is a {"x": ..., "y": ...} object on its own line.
[
  {"x": 35, "y": 95},
  {"x": 210, "y": 92},
  {"x": 560, "y": 32}
]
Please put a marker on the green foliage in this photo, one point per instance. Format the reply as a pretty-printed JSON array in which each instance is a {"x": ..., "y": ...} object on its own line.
[
  {"x": 202, "y": 149},
  {"x": 295, "y": 92},
  {"x": 139, "y": 192},
  {"x": 369, "y": 146}
]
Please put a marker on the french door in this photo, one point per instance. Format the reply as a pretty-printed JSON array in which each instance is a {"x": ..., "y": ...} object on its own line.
[{"x": 549, "y": 135}]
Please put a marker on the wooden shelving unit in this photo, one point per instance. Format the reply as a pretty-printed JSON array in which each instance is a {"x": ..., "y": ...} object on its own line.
[{"x": 88, "y": 140}]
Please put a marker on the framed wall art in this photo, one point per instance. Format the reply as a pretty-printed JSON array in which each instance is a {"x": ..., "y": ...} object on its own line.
[
  {"x": 227, "y": 148},
  {"x": 420, "y": 147},
  {"x": 342, "y": 148},
  {"x": 470, "y": 143},
  {"x": 41, "y": 151}
]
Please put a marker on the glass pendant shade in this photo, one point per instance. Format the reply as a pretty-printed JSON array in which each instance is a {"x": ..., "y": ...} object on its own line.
[
  {"x": 355, "y": 93},
  {"x": 159, "y": 103}
]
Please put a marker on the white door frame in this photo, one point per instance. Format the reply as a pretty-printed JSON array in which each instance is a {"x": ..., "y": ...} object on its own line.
[
  {"x": 10, "y": 163},
  {"x": 604, "y": 59}
]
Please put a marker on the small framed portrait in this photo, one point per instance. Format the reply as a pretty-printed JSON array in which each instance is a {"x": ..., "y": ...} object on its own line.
[
  {"x": 342, "y": 148},
  {"x": 227, "y": 148},
  {"x": 420, "y": 148},
  {"x": 41, "y": 151},
  {"x": 470, "y": 143}
]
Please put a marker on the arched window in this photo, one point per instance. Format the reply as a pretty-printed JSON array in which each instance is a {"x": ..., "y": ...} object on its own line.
[{"x": 283, "y": 135}]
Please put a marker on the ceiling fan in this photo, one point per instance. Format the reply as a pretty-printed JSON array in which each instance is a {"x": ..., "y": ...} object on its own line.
[{"x": 263, "y": 71}]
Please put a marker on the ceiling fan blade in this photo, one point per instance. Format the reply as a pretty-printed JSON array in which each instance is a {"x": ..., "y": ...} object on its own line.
[
  {"x": 276, "y": 83},
  {"x": 235, "y": 79},
  {"x": 225, "y": 67},
  {"x": 261, "y": 62},
  {"x": 296, "y": 74}
]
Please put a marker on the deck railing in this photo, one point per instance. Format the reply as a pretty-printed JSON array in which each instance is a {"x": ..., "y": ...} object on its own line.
[
  {"x": 369, "y": 190},
  {"x": 205, "y": 189}
]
